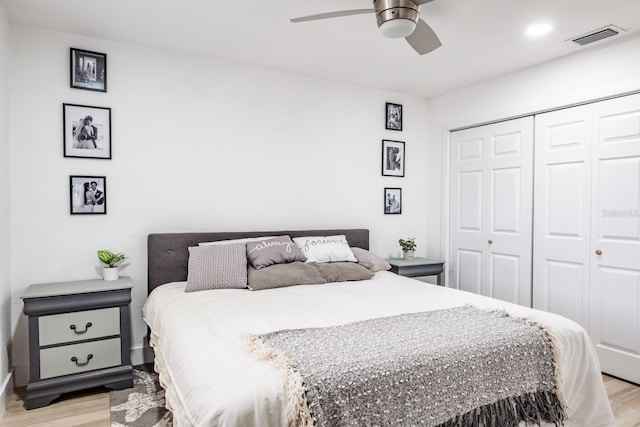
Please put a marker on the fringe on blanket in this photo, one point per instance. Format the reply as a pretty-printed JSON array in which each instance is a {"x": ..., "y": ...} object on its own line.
[
  {"x": 530, "y": 408},
  {"x": 298, "y": 414},
  {"x": 555, "y": 352}
]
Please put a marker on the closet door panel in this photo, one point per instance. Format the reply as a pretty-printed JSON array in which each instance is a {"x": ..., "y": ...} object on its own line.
[
  {"x": 468, "y": 152},
  {"x": 615, "y": 231},
  {"x": 470, "y": 193},
  {"x": 469, "y": 270},
  {"x": 565, "y": 282},
  {"x": 491, "y": 206},
  {"x": 506, "y": 201},
  {"x": 504, "y": 271},
  {"x": 562, "y": 198},
  {"x": 617, "y": 291}
]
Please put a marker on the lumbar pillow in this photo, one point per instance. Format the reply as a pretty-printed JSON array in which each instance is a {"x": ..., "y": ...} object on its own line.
[
  {"x": 370, "y": 260},
  {"x": 217, "y": 267},
  {"x": 343, "y": 271},
  {"x": 280, "y": 275},
  {"x": 325, "y": 248},
  {"x": 276, "y": 250}
]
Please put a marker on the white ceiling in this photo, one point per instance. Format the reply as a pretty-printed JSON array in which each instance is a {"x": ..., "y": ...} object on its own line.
[{"x": 481, "y": 39}]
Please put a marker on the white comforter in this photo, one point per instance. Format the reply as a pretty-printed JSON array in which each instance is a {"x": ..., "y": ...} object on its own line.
[{"x": 210, "y": 380}]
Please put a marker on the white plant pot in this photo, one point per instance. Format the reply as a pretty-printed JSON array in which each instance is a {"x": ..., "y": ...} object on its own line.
[
  {"x": 408, "y": 255},
  {"x": 110, "y": 273}
]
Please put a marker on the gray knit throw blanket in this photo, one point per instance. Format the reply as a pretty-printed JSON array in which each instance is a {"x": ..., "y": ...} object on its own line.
[{"x": 453, "y": 367}]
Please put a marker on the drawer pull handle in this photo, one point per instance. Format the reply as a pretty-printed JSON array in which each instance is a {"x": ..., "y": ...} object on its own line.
[
  {"x": 86, "y": 328},
  {"x": 75, "y": 360}
]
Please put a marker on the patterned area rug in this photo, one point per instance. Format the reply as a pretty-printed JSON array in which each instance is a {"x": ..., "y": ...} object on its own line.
[{"x": 142, "y": 405}]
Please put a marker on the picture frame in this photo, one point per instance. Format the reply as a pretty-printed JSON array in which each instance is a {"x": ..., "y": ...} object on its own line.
[
  {"x": 392, "y": 201},
  {"x": 87, "y": 195},
  {"x": 393, "y": 156},
  {"x": 88, "y": 70},
  {"x": 86, "y": 131},
  {"x": 393, "y": 114}
]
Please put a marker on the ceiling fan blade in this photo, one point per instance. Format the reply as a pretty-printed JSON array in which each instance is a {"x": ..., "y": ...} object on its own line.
[
  {"x": 328, "y": 15},
  {"x": 421, "y": 2},
  {"x": 423, "y": 39}
]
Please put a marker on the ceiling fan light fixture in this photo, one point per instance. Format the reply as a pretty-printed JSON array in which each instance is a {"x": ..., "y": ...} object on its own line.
[{"x": 397, "y": 28}]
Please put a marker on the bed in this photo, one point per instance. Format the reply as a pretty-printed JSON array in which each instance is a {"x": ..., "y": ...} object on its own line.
[{"x": 213, "y": 378}]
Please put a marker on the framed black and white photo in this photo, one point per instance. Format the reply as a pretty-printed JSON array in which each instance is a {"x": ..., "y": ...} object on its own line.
[
  {"x": 392, "y": 158},
  {"x": 394, "y": 116},
  {"x": 88, "y": 194},
  {"x": 393, "y": 200},
  {"x": 87, "y": 131},
  {"x": 88, "y": 70}
]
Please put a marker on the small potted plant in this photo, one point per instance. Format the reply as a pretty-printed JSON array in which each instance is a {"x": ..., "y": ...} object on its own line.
[
  {"x": 408, "y": 247},
  {"x": 110, "y": 271}
]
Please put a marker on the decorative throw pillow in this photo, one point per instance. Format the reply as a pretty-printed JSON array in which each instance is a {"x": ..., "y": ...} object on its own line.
[
  {"x": 370, "y": 260},
  {"x": 280, "y": 275},
  {"x": 276, "y": 250},
  {"x": 343, "y": 272},
  {"x": 217, "y": 267},
  {"x": 325, "y": 248}
]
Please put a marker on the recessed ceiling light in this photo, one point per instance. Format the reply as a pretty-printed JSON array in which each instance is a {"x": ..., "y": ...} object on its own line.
[{"x": 538, "y": 30}]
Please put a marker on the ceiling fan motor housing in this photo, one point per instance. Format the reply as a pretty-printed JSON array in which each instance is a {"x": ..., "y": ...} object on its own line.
[{"x": 388, "y": 10}]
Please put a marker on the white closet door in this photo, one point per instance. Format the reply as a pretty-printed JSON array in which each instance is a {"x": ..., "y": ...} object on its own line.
[
  {"x": 615, "y": 230},
  {"x": 562, "y": 200},
  {"x": 491, "y": 208}
]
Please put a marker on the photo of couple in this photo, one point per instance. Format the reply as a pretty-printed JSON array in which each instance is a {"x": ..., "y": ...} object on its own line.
[
  {"x": 393, "y": 156},
  {"x": 88, "y": 195},
  {"x": 85, "y": 134},
  {"x": 392, "y": 200},
  {"x": 87, "y": 131}
]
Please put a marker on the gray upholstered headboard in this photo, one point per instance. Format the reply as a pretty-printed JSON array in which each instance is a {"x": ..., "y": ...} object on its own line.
[{"x": 168, "y": 254}]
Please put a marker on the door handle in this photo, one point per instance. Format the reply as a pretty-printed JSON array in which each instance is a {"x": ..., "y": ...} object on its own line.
[
  {"x": 490, "y": 242},
  {"x": 598, "y": 252}
]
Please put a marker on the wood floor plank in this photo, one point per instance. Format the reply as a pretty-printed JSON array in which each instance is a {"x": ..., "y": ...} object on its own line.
[
  {"x": 87, "y": 408},
  {"x": 625, "y": 401}
]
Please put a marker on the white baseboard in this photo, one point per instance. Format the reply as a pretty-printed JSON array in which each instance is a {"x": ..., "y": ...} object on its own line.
[
  {"x": 141, "y": 355},
  {"x": 5, "y": 393}
]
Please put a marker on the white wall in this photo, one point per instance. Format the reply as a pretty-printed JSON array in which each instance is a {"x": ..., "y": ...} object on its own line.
[
  {"x": 198, "y": 145},
  {"x": 598, "y": 72},
  {"x": 5, "y": 265}
]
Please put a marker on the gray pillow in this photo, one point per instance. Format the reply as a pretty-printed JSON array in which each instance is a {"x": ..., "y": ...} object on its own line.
[
  {"x": 370, "y": 260},
  {"x": 280, "y": 275},
  {"x": 343, "y": 271},
  {"x": 276, "y": 250},
  {"x": 217, "y": 267}
]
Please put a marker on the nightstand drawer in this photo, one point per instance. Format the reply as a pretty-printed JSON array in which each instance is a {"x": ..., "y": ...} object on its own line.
[
  {"x": 80, "y": 325},
  {"x": 75, "y": 358}
]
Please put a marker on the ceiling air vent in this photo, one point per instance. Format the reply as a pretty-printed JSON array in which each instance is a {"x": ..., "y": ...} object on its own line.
[{"x": 597, "y": 35}]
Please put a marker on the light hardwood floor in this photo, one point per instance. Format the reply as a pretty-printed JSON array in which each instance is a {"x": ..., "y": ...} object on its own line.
[
  {"x": 88, "y": 408},
  {"x": 91, "y": 409}
]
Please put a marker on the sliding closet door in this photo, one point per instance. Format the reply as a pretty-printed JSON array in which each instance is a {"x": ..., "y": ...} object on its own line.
[
  {"x": 562, "y": 200},
  {"x": 615, "y": 231},
  {"x": 491, "y": 208}
]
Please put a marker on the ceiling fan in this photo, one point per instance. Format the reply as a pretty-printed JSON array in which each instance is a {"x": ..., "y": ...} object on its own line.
[{"x": 396, "y": 18}]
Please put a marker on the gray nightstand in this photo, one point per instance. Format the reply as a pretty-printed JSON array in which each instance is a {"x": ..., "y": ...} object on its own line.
[
  {"x": 418, "y": 267},
  {"x": 79, "y": 337}
]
